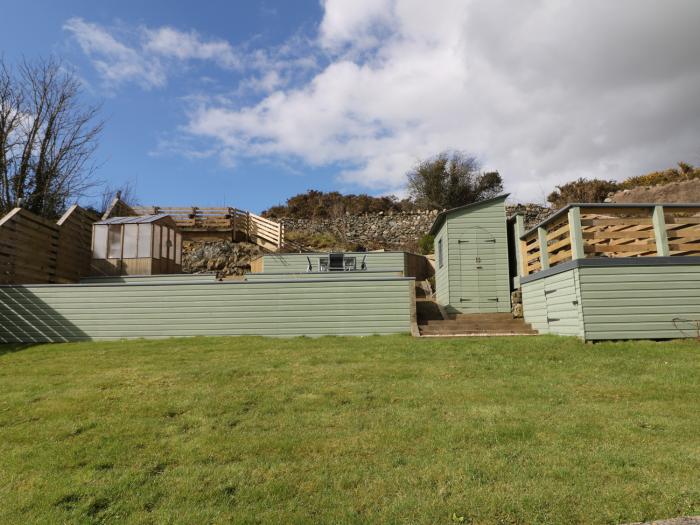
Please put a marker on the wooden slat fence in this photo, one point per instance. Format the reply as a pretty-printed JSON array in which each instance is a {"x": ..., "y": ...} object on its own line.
[
  {"x": 611, "y": 231},
  {"x": 34, "y": 250}
]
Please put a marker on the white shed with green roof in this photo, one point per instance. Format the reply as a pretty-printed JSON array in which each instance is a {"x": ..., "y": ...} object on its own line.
[{"x": 471, "y": 258}]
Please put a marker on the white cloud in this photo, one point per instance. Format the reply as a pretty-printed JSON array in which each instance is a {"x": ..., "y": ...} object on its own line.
[
  {"x": 115, "y": 62},
  {"x": 543, "y": 90},
  {"x": 169, "y": 42},
  {"x": 144, "y": 55}
]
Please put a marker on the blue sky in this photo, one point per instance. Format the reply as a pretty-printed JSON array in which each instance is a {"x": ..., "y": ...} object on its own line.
[{"x": 247, "y": 103}]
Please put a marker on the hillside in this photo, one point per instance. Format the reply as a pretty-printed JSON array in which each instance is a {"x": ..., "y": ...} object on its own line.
[{"x": 674, "y": 192}]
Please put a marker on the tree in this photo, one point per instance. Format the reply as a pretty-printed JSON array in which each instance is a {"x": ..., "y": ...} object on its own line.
[
  {"x": 47, "y": 137},
  {"x": 126, "y": 192},
  {"x": 451, "y": 179},
  {"x": 582, "y": 190}
]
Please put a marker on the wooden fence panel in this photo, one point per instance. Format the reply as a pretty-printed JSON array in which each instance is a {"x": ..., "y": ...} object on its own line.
[{"x": 34, "y": 250}]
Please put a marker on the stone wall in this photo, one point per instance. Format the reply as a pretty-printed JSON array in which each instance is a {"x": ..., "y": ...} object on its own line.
[
  {"x": 391, "y": 231},
  {"x": 226, "y": 258}
]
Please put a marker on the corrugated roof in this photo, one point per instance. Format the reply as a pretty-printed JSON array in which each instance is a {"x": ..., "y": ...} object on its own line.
[
  {"x": 136, "y": 219},
  {"x": 441, "y": 216}
]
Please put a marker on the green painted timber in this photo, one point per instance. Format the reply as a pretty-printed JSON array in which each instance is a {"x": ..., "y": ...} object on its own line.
[
  {"x": 265, "y": 276},
  {"x": 298, "y": 262},
  {"x": 54, "y": 313},
  {"x": 641, "y": 302},
  {"x": 475, "y": 276},
  {"x": 617, "y": 301},
  {"x": 170, "y": 277},
  {"x": 553, "y": 305}
]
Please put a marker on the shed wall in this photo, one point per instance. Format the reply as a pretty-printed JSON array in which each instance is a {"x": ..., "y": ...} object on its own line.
[
  {"x": 553, "y": 305},
  {"x": 442, "y": 274},
  {"x": 53, "y": 313},
  {"x": 493, "y": 279},
  {"x": 640, "y": 302}
]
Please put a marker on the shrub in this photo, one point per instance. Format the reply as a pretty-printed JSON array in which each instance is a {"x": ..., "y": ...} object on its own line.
[
  {"x": 426, "y": 244},
  {"x": 582, "y": 190}
]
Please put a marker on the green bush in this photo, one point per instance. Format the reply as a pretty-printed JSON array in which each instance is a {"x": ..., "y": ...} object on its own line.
[{"x": 426, "y": 244}]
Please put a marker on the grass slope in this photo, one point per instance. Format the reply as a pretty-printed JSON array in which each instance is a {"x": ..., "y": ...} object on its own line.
[{"x": 349, "y": 430}]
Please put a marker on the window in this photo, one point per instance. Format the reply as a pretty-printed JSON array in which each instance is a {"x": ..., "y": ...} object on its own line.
[
  {"x": 114, "y": 241},
  {"x": 131, "y": 232},
  {"x": 156, "y": 242},
  {"x": 99, "y": 243},
  {"x": 164, "y": 242},
  {"x": 144, "y": 249},
  {"x": 439, "y": 253}
]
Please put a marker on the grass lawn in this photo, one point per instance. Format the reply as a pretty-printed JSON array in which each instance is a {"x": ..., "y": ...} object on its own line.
[{"x": 349, "y": 430}]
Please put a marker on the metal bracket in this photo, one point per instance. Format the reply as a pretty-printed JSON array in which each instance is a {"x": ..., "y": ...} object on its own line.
[
  {"x": 547, "y": 292},
  {"x": 552, "y": 319}
]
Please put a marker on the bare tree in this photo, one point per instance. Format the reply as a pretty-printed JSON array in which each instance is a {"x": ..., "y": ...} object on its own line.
[
  {"x": 126, "y": 192},
  {"x": 47, "y": 137}
]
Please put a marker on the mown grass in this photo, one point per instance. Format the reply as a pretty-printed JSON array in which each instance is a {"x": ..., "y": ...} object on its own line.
[{"x": 349, "y": 430}]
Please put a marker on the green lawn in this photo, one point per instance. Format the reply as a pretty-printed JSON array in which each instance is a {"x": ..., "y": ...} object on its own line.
[{"x": 349, "y": 430}]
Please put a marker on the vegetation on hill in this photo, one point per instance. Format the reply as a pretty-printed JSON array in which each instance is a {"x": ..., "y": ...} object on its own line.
[
  {"x": 597, "y": 190},
  {"x": 349, "y": 430},
  {"x": 316, "y": 204}
]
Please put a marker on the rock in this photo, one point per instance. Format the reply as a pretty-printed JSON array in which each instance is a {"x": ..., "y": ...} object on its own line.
[{"x": 517, "y": 310}]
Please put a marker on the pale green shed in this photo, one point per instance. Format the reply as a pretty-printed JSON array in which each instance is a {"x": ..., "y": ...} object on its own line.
[{"x": 471, "y": 258}]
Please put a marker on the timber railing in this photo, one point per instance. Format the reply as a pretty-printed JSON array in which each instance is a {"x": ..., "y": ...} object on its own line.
[
  {"x": 264, "y": 231},
  {"x": 610, "y": 230}
]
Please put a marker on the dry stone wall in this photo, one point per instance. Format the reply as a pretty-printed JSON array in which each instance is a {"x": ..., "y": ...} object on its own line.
[{"x": 391, "y": 231}]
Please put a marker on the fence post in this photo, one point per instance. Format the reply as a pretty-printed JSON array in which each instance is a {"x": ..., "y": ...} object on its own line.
[
  {"x": 544, "y": 255},
  {"x": 519, "y": 231},
  {"x": 281, "y": 235},
  {"x": 660, "y": 234},
  {"x": 247, "y": 225},
  {"x": 576, "y": 234}
]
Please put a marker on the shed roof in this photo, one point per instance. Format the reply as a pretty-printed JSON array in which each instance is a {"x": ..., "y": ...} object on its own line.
[
  {"x": 443, "y": 214},
  {"x": 136, "y": 219}
]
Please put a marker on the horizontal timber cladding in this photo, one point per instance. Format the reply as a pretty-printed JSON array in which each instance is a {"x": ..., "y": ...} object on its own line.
[
  {"x": 55, "y": 313},
  {"x": 266, "y": 276},
  {"x": 620, "y": 298},
  {"x": 641, "y": 302},
  {"x": 553, "y": 305},
  {"x": 298, "y": 262},
  {"x": 168, "y": 277}
]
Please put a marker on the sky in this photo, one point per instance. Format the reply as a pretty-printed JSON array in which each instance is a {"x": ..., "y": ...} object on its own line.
[{"x": 244, "y": 103}]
